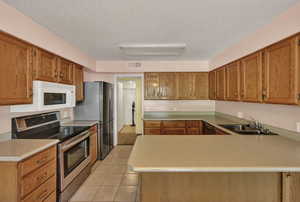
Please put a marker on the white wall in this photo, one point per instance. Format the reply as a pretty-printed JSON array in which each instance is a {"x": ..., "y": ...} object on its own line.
[{"x": 179, "y": 105}]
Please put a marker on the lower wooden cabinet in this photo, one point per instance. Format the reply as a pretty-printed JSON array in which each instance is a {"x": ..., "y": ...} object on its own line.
[
  {"x": 173, "y": 127},
  {"x": 93, "y": 144},
  {"x": 33, "y": 179}
]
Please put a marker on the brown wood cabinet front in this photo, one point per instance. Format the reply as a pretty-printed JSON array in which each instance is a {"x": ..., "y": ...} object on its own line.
[
  {"x": 192, "y": 85},
  {"x": 167, "y": 85},
  {"x": 33, "y": 179},
  {"x": 65, "y": 71},
  {"x": 281, "y": 68},
  {"x": 15, "y": 71},
  {"x": 93, "y": 148},
  {"x": 151, "y": 85},
  {"x": 251, "y": 78},
  {"x": 78, "y": 82},
  {"x": 212, "y": 85},
  {"x": 232, "y": 81},
  {"x": 45, "y": 66},
  {"x": 221, "y": 84}
]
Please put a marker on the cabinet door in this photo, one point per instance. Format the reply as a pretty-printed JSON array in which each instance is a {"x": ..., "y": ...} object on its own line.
[
  {"x": 151, "y": 85},
  {"x": 15, "y": 71},
  {"x": 192, "y": 85},
  {"x": 93, "y": 148},
  {"x": 233, "y": 81},
  {"x": 212, "y": 85},
  {"x": 220, "y": 76},
  {"x": 290, "y": 187},
  {"x": 251, "y": 78},
  {"x": 45, "y": 66},
  {"x": 65, "y": 71},
  {"x": 78, "y": 81},
  {"x": 281, "y": 69},
  {"x": 167, "y": 86}
]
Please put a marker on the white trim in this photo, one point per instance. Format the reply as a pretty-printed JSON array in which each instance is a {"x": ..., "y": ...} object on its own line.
[{"x": 116, "y": 76}]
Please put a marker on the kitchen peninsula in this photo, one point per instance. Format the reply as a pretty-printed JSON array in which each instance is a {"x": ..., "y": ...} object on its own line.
[{"x": 230, "y": 168}]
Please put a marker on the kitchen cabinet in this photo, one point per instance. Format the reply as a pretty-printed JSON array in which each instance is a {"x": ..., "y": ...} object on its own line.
[
  {"x": 251, "y": 78},
  {"x": 212, "y": 85},
  {"x": 192, "y": 85},
  {"x": 93, "y": 144},
  {"x": 281, "y": 68},
  {"x": 45, "y": 66},
  {"x": 15, "y": 71},
  {"x": 78, "y": 82},
  {"x": 173, "y": 127},
  {"x": 151, "y": 85},
  {"x": 290, "y": 186},
  {"x": 65, "y": 71},
  {"x": 221, "y": 84},
  {"x": 232, "y": 71},
  {"x": 33, "y": 179},
  {"x": 167, "y": 85}
]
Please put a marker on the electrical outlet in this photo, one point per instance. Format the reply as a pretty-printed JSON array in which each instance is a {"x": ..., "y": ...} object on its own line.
[
  {"x": 298, "y": 126},
  {"x": 240, "y": 115}
]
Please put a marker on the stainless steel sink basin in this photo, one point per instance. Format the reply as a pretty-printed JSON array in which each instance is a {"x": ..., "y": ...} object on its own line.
[{"x": 246, "y": 129}]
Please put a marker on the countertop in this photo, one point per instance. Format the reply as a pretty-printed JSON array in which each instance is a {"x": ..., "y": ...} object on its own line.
[
  {"x": 19, "y": 149},
  {"x": 78, "y": 123},
  {"x": 215, "y": 153}
]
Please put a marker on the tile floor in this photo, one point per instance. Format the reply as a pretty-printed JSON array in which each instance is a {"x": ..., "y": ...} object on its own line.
[{"x": 110, "y": 180}]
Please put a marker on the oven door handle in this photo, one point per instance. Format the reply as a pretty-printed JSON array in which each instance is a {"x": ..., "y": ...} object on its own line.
[{"x": 76, "y": 141}]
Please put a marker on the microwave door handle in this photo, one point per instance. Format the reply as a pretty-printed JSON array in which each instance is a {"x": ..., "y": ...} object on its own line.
[{"x": 72, "y": 143}]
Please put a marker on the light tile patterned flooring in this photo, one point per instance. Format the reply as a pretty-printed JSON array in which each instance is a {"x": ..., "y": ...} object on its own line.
[{"x": 110, "y": 180}]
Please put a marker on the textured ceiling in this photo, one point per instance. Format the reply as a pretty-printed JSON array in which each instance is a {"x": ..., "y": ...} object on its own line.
[{"x": 98, "y": 26}]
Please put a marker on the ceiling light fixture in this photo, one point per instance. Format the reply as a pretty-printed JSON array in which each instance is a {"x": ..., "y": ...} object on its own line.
[{"x": 171, "y": 49}]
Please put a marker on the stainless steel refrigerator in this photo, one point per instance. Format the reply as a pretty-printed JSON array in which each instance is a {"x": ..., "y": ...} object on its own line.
[{"x": 98, "y": 106}]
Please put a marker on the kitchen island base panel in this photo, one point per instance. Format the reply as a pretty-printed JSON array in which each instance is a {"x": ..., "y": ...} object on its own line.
[{"x": 218, "y": 187}]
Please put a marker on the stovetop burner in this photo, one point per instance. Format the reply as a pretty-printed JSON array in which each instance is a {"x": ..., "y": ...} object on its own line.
[{"x": 43, "y": 126}]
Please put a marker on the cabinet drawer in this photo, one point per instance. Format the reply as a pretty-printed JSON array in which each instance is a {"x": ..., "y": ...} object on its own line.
[
  {"x": 152, "y": 124},
  {"x": 193, "y": 124},
  {"x": 37, "y": 160},
  {"x": 44, "y": 193},
  {"x": 173, "y": 131},
  {"x": 193, "y": 131},
  {"x": 152, "y": 131},
  {"x": 37, "y": 177},
  {"x": 173, "y": 124}
]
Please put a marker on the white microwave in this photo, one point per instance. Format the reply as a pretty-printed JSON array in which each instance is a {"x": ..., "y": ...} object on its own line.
[{"x": 48, "y": 96}]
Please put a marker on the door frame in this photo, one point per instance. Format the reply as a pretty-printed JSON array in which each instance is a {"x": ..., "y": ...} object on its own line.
[{"x": 116, "y": 77}]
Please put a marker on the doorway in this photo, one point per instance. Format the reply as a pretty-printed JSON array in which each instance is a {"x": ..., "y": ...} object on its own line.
[{"x": 129, "y": 109}]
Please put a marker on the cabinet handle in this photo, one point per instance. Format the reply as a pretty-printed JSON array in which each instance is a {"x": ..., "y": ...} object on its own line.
[
  {"x": 42, "y": 177},
  {"x": 42, "y": 160}
]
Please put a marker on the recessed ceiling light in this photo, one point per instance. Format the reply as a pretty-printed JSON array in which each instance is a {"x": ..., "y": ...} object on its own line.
[{"x": 170, "y": 49}]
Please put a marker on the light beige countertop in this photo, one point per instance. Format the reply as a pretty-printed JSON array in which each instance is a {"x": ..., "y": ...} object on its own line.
[
  {"x": 19, "y": 149},
  {"x": 215, "y": 153},
  {"x": 78, "y": 123}
]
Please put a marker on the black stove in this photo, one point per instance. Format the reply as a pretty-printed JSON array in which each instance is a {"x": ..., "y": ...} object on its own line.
[{"x": 43, "y": 126}]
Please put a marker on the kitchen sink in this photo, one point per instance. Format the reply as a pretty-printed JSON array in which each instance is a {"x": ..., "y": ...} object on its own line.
[{"x": 246, "y": 129}]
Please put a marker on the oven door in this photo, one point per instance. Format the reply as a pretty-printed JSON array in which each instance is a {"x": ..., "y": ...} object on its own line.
[{"x": 74, "y": 156}]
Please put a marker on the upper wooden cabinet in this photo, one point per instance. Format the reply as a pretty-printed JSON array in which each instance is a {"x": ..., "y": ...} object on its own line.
[
  {"x": 65, "y": 71},
  {"x": 45, "y": 66},
  {"x": 251, "y": 78},
  {"x": 15, "y": 71},
  {"x": 281, "y": 68},
  {"x": 173, "y": 86},
  {"x": 78, "y": 82},
  {"x": 167, "y": 85},
  {"x": 212, "y": 85},
  {"x": 151, "y": 85},
  {"x": 221, "y": 84},
  {"x": 233, "y": 81},
  {"x": 192, "y": 85}
]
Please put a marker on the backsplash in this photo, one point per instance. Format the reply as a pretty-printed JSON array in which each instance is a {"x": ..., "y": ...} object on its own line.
[
  {"x": 282, "y": 116},
  {"x": 6, "y": 115},
  {"x": 179, "y": 105}
]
